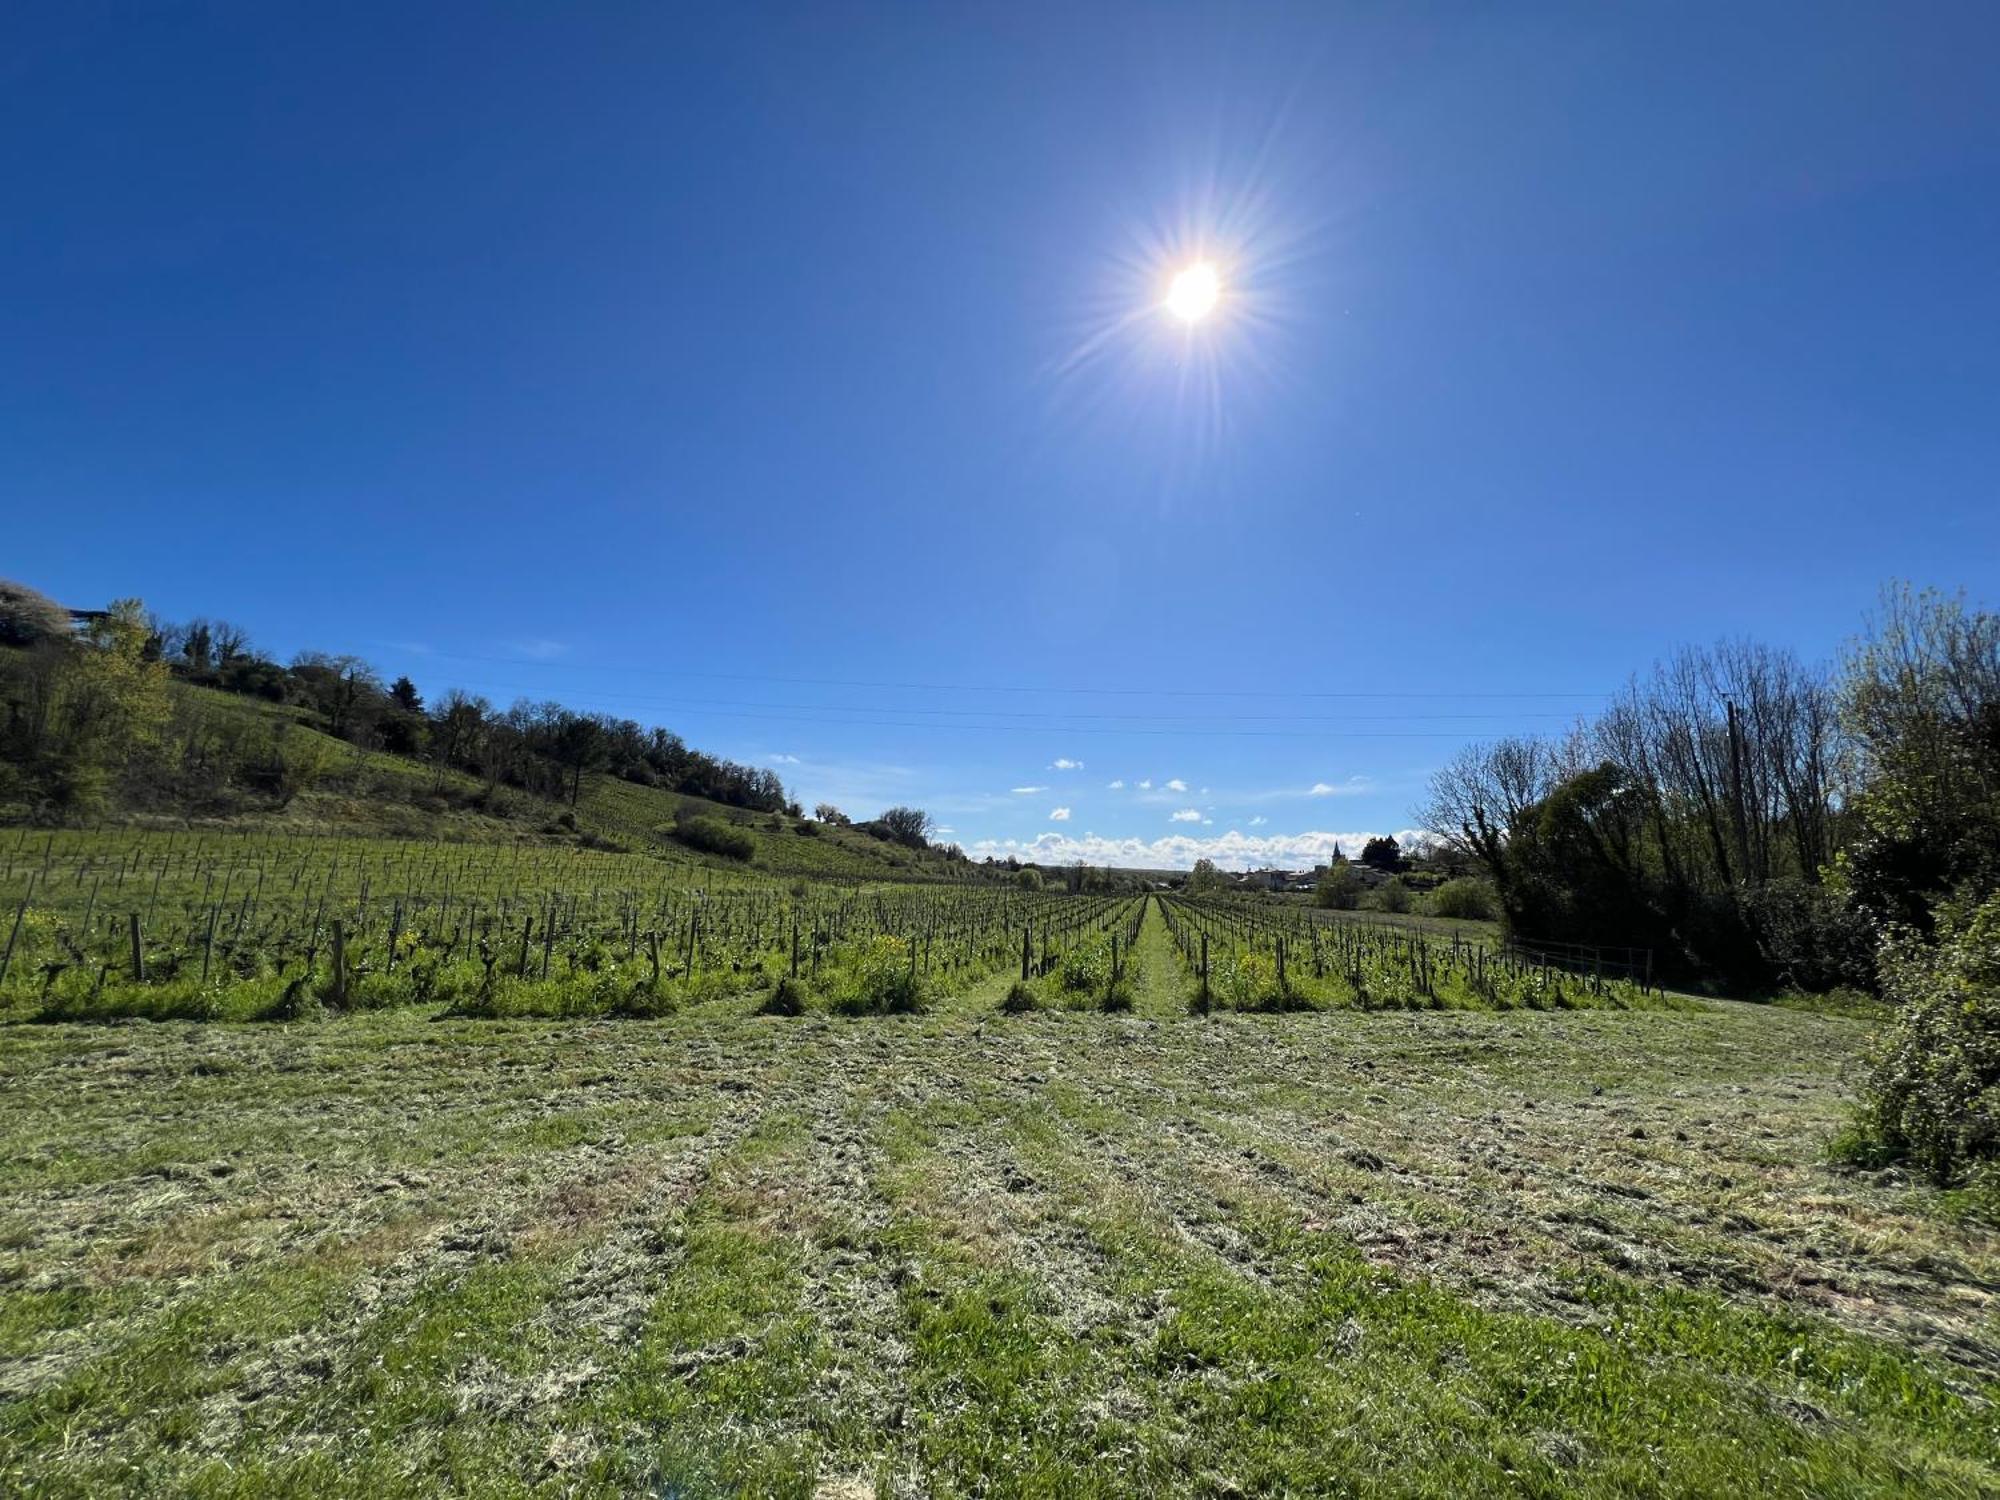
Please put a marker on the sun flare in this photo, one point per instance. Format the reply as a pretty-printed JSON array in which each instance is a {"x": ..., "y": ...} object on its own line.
[{"x": 1194, "y": 292}]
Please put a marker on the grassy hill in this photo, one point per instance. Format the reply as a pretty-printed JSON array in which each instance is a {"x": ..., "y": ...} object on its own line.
[{"x": 366, "y": 792}]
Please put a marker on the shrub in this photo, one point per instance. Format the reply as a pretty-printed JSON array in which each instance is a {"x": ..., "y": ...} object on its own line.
[
  {"x": 1934, "y": 1087},
  {"x": 1027, "y": 878},
  {"x": 1467, "y": 897},
  {"x": 712, "y": 836},
  {"x": 1340, "y": 889},
  {"x": 1390, "y": 896},
  {"x": 1021, "y": 998},
  {"x": 787, "y": 998}
]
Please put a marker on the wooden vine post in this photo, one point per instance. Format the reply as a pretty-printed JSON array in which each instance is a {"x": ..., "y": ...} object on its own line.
[{"x": 339, "y": 991}]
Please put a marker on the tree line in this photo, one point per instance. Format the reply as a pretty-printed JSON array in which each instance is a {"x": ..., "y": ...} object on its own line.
[
  {"x": 90, "y": 721},
  {"x": 1761, "y": 823},
  {"x": 1755, "y": 820}
]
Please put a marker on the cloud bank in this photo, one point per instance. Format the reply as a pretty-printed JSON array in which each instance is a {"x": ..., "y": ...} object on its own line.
[{"x": 1233, "y": 850}]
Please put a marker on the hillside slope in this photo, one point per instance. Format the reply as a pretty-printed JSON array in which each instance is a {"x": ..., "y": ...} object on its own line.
[{"x": 351, "y": 790}]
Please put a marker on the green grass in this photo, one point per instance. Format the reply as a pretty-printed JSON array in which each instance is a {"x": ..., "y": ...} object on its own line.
[{"x": 1571, "y": 1253}]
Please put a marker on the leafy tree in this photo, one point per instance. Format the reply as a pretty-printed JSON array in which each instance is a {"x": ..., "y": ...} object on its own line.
[
  {"x": 341, "y": 688},
  {"x": 303, "y": 760},
  {"x": 1920, "y": 695},
  {"x": 909, "y": 826},
  {"x": 826, "y": 812},
  {"x": 103, "y": 709},
  {"x": 403, "y": 693},
  {"x": 1205, "y": 877},
  {"x": 198, "y": 647},
  {"x": 1382, "y": 853},
  {"x": 1934, "y": 1089},
  {"x": 580, "y": 744}
]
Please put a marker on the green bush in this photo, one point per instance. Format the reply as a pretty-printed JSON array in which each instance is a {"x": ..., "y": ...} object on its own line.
[
  {"x": 1021, "y": 998},
  {"x": 787, "y": 998},
  {"x": 1339, "y": 889},
  {"x": 1390, "y": 896},
  {"x": 1934, "y": 1087},
  {"x": 712, "y": 836},
  {"x": 1467, "y": 898}
]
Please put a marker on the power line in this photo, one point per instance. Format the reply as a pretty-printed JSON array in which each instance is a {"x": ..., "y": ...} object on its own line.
[
  {"x": 1023, "y": 713},
  {"x": 1043, "y": 729},
  {"x": 948, "y": 687}
]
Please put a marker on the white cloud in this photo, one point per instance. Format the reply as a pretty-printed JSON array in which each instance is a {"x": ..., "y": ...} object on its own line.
[
  {"x": 1348, "y": 788},
  {"x": 1028, "y": 791},
  {"x": 1146, "y": 786},
  {"x": 1114, "y": 786},
  {"x": 540, "y": 649},
  {"x": 1185, "y": 815},
  {"x": 1177, "y": 785},
  {"x": 1058, "y": 815},
  {"x": 784, "y": 760},
  {"x": 1259, "y": 821},
  {"x": 945, "y": 828},
  {"x": 1064, "y": 763},
  {"x": 1231, "y": 850}
]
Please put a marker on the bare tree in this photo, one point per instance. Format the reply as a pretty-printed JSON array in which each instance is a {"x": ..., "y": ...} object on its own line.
[{"x": 28, "y": 618}]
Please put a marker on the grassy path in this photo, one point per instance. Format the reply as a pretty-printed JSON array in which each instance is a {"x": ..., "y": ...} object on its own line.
[{"x": 1159, "y": 983}]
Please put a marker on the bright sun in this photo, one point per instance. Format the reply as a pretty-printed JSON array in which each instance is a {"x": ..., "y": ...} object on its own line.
[{"x": 1192, "y": 296}]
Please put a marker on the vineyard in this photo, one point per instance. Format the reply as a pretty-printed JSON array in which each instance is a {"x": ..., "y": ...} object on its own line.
[
  {"x": 1249, "y": 956},
  {"x": 255, "y": 927},
  {"x": 259, "y": 928},
  {"x": 534, "y": 1169}
]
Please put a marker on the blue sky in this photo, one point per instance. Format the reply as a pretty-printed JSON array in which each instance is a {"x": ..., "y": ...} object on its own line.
[{"x": 795, "y": 377}]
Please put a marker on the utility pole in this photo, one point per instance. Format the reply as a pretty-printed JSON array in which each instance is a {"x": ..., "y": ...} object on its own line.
[{"x": 1736, "y": 810}]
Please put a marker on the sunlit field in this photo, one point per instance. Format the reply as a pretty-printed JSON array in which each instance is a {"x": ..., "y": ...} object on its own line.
[{"x": 565, "y": 1184}]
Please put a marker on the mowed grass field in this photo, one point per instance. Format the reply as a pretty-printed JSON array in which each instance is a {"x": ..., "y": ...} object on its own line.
[{"x": 1434, "y": 1253}]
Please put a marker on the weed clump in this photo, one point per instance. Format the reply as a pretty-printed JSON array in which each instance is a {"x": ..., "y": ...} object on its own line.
[
  {"x": 880, "y": 980},
  {"x": 787, "y": 998},
  {"x": 1021, "y": 999}
]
